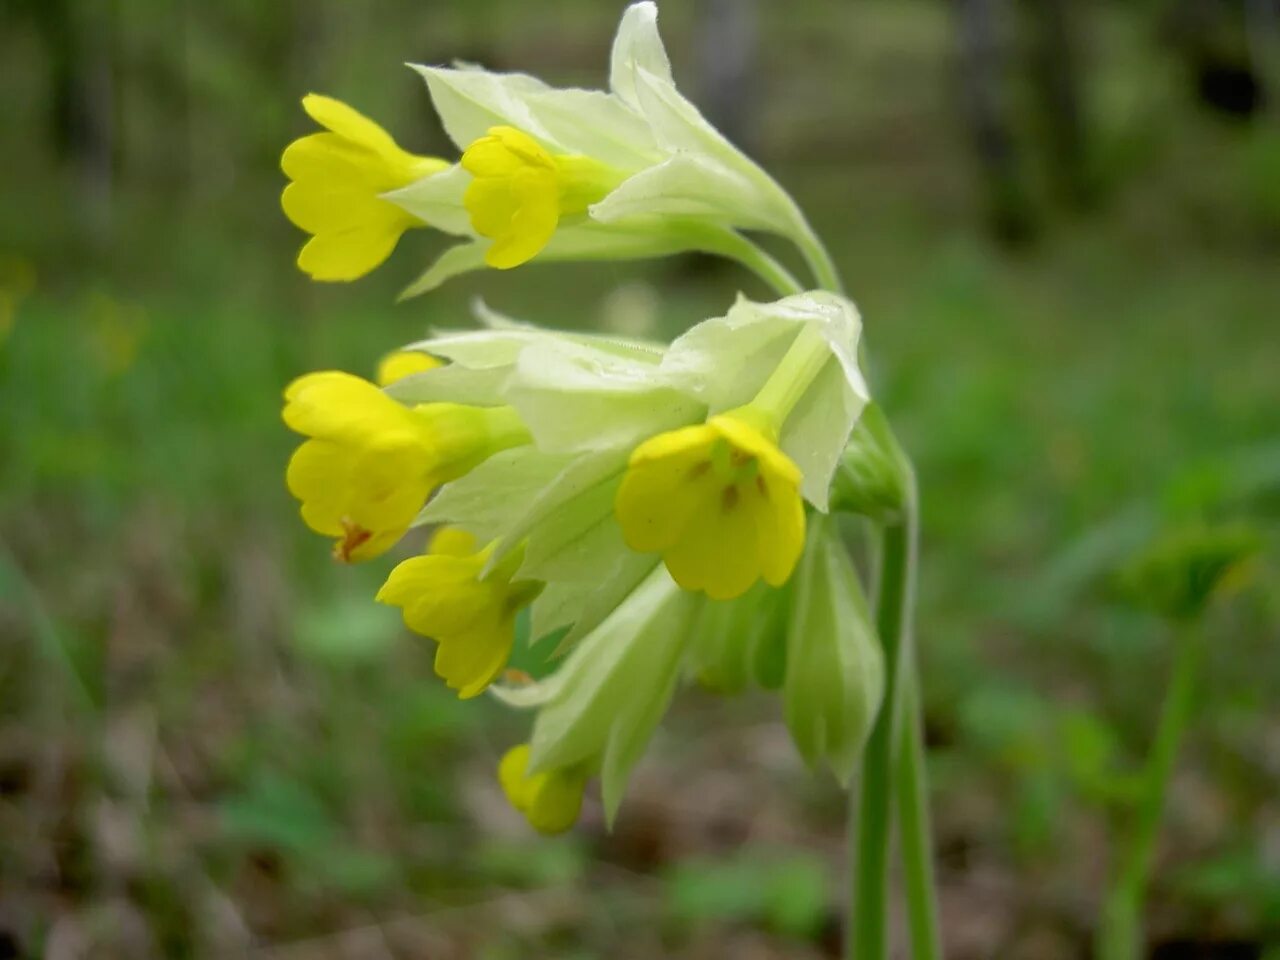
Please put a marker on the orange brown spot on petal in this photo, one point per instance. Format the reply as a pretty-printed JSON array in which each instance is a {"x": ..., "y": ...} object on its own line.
[{"x": 352, "y": 537}]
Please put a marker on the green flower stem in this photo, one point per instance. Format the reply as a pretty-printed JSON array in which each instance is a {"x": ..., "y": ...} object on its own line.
[
  {"x": 803, "y": 361},
  {"x": 915, "y": 829},
  {"x": 818, "y": 259},
  {"x": 1120, "y": 935},
  {"x": 734, "y": 246},
  {"x": 871, "y": 819}
]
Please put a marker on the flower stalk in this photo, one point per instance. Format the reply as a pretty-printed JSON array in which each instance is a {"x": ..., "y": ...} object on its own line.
[
  {"x": 871, "y": 826},
  {"x": 1120, "y": 934}
]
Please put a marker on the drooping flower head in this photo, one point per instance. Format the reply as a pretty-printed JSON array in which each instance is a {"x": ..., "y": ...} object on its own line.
[
  {"x": 470, "y": 612},
  {"x": 371, "y": 462},
  {"x": 338, "y": 178}
]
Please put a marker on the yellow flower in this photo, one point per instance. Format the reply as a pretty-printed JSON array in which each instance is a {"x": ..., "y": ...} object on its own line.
[
  {"x": 719, "y": 501},
  {"x": 520, "y": 191},
  {"x": 338, "y": 178},
  {"x": 550, "y": 801},
  {"x": 400, "y": 364},
  {"x": 371, "y": 462},
  {"x": 472, "y": 617}
]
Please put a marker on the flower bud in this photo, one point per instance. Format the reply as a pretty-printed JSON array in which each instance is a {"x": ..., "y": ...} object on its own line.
[
  {"x": 869, "y": 477},
  {"x": 835, "y": 665}
]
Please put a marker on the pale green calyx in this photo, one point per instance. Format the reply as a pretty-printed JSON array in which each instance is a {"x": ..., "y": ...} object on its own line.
[
  {"x": 835, "y": 665},
  {"x": 741, "y": 643},
  {"x": 601, "y": 707}
]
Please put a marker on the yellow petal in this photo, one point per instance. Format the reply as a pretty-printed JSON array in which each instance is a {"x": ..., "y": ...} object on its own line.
[
  {"x": 453, "y": 542},
  {"x": 719, "y": 551},
  {"x": 350, "y": 254},
  {"x": 719, "y": 501},
  {"x": 504, "y": 152},
  {"x": 338, "y": 178},
  {"x": 329, "y": 159},
  {"x": 473, "y": 620},
  {"x": 658, "y": 495},
  {"x": 551, "y": 801},
  {"x": 403, "y": 363},
  {"x": 532, "y": 227},
  {"x": 491, "y": 204},
  {"x": 335, "y": 404},
  {"x": 781, "y": 529},
  {"x": 318, "y": 475},
  {"x": 513, "y": 776},
  {"x": 434, "y": 592},
  {"x": 751, "y": 441},
  {"x": 555, "y": 802},
  {"x": 468, "y": 663},
  {"x": 347, "y": 122},
  {"x": 515, "y": 196},
  {"x": 327, "y": 208}
]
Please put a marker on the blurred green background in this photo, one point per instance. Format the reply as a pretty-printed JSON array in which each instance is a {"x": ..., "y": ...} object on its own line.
[{"x": 1061, "y": 221}]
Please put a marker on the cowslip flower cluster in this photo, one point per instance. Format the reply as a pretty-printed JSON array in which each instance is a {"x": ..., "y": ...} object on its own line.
[
  {"x": 545, "y": 173},
  {"x": 660, "y": 512}
]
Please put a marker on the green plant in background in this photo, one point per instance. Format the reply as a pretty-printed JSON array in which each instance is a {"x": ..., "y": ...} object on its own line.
[
  {"x": 1176, "y": 577},
  {"x": 660, "y": 510}
]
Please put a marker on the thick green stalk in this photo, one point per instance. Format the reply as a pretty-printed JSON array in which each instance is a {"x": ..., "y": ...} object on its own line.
[
  {"x": 1120, "y": 935},
  {"x": 871, "y": 811},
  {"x": 914, "y": 828}
]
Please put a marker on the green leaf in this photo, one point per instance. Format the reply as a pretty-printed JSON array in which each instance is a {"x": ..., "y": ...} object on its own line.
[{"x": 1181, "y": 572}]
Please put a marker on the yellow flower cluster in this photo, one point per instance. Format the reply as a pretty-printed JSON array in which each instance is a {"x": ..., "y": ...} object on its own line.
[{"x": 603, "y": 490}]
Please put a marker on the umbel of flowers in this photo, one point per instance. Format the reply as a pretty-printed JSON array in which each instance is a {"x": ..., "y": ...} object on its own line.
[{"x": 658, "y": 513}]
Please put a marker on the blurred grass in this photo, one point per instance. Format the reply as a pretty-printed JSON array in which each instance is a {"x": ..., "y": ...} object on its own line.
[{"x": 210, "y": 738}]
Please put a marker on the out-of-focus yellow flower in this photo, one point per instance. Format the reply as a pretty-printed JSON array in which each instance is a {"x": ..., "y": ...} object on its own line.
[
  {"x": 338, "y": 178},
  {"x": 521, "y": 191},
  {"x": 402, "y": 363},
  {"x": 719, "y": 501},
  {"x": 550, "y": 801},
  {"x": 372, "y": 462},
  {"x": 472, "y": 617}
]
